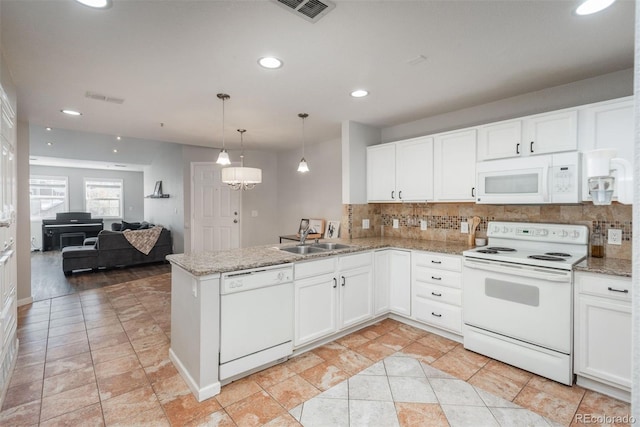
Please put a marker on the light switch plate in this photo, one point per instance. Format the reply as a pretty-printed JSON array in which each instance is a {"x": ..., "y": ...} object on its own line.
[
  {"x": 423, "y": 224},
  {"x": 396, "y": 223},
  {"x": 464, "y": 227},
  {"x": 365, "y": 224},
  {"x": 614, "y": 237}
]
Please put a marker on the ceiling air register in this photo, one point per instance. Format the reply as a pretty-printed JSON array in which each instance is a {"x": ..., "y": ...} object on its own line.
[{"x": 311, "y": 10}]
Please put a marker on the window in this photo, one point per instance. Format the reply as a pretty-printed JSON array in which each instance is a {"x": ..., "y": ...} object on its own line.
[
  {"x": 103, "y": 197},
  {"x": 48, "y": 195}
]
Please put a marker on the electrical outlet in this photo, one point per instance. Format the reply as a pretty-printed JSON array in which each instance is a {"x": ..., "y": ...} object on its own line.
[
  {"x": 423, "y": 224},
  {"x": 464, "y": 227},
  {"x": 396, "y": 223},
  {"x": 365, "y": 224},
  {"x": 615, "y": 237}
]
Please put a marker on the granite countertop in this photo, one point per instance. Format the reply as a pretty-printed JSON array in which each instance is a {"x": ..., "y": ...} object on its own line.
[
  {"x": 206, "y": 263},
  {"x": 613, "y": 266}
]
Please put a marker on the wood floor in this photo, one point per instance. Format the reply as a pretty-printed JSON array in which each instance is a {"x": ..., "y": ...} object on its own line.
[{"x": 48, "y": 280}]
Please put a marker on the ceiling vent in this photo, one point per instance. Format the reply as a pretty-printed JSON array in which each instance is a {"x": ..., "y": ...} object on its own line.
[
  {"x": 105, "y": 98},
  {"x": 311, "y": 10}
]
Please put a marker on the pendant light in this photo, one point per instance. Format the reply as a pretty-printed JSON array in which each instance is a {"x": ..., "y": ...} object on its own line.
[
  {"x": 303, "y": 167},
  {"x": 241, "y": 178},
  {"x": 223, "y": 157}
]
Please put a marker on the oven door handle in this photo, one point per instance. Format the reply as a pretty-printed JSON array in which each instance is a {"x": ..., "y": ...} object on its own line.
[{"x": 520, "y": 270}]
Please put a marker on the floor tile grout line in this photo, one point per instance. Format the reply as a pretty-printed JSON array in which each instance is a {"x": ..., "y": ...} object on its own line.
[{"x": 93, "y": 365}]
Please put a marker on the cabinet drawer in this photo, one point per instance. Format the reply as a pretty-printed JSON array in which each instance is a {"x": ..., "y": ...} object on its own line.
[
  {"x": 604, "y": 285},
  {"x": 314, "y": 268},
  {"x": 9, "y": 320},
  {"x": 444, "y": 316},
  {"x": 347, "y": 262},
  {"x": 444, "y": 262},
  {"x": 437, "y": 277},
  {"x": 438, "y": 293}
]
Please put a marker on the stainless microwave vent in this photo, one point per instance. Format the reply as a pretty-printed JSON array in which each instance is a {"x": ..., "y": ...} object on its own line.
[{"x": 311, "y": 10}]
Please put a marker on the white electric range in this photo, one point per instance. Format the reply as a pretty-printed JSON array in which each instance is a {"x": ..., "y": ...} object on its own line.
[{"x": 518, "y": 295}]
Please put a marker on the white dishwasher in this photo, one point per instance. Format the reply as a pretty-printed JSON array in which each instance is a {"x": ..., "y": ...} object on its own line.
[{"x": 256, "y": 318}]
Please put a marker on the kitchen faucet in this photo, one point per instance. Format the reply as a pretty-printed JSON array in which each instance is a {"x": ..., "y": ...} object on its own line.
[{"x": 304, "y": 234}]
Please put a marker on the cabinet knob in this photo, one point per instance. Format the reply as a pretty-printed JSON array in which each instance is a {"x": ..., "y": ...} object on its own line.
[{"x": 235, "y": 221}]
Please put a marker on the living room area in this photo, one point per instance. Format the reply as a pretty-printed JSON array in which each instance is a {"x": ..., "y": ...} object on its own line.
[{"x": 82, "y": 212}]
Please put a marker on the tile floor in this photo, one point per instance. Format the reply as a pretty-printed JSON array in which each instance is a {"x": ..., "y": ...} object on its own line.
[{"x": 100, "y": 357}]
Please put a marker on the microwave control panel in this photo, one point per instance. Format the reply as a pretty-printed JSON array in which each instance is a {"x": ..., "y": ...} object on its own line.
[{"x": 564, "y": 184}]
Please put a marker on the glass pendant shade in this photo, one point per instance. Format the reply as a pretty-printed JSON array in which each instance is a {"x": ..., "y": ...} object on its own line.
[
  {"x": 303, "y": 167},
  {"x": 223, "y": 158}
]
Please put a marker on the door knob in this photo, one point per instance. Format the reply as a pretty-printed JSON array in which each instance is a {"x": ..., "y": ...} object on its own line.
[
  {"x": 235, "y": 221},
  {"x": 235, "y": 213}
]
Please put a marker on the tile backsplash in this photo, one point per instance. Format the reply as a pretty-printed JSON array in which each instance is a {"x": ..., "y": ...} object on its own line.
[{"x": 444, "y": 219}]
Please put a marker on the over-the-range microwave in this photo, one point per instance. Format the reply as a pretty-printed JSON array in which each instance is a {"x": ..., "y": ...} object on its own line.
[{"x": 547, "y": 178}]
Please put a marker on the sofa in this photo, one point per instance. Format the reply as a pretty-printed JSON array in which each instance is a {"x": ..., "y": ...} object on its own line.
[{"x": 112, "y": 249}]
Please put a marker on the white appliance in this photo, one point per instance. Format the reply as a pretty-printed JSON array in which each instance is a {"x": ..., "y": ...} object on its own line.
[
  {"x": 606, "y": 172},
  {"x": 549, "y": 178},
  {"x": 518, "y": 296},
  {"x": 256, "y": 318}
]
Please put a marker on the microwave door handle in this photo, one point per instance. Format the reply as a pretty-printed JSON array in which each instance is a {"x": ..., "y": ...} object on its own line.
[
  {"x": 523, "y": 271},
  {"x": 546, "y": 182}
]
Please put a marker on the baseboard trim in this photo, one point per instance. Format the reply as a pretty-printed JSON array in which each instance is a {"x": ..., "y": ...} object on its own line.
[{"x": 25, "y": 301}]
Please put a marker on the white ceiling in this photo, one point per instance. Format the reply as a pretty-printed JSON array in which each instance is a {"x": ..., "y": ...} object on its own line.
[{"x": 169, "y": 59}]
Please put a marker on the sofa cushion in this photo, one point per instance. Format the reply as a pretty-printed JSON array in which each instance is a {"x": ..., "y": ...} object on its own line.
[
  {"x": 129, "y": 226},
  {"x": 79, "y": 252}
]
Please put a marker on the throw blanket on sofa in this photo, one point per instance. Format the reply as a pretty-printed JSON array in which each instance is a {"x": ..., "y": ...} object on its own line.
[{"x": 143, "y": 240}]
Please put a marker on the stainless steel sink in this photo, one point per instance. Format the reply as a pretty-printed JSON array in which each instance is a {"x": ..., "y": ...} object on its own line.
[
  {"x": 303, "y": 249},
  {"x": 330, "y": 245}
]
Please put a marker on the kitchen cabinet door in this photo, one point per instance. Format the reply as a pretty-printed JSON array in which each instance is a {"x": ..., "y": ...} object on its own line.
[
  {"x": 606, "y": 124},
  {"x": 381, "y": 173},
  {"x": 315, "y": 308},
  {"x": 400, "y": 282},
  {"x": 500, "y": 140},
  {"x": 604, "y": 340},
  {"x": 356, "y": 296},
  {"x": 414, "y": 169},
  {"x": 551, "y": 132},
  {"x": 381, "y": 281},
  {"x": 454, "y": 166}
]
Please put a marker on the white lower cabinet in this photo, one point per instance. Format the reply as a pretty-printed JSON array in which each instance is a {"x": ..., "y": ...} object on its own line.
[
  {"x": 392, "y": 282},
  {"x": 436, "y": 290},
  {"x": 602, "y": 333},
  {"x": 332, "y": 294}
]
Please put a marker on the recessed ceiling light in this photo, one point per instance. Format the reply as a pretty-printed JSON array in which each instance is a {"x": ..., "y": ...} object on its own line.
[
  {"x": 359, "y": 93},
  {"x": 49, "y": 144},
  {"x": 588, "y": 7},
  {"x": 118, "y": 138},
  {"x": 71, "y": 112},
  {"x": 48, "y": 128},
  {"x": 270, "y": 62},
  {"x": 115, "y": 150},
  {"x": 96, "y": 4}
]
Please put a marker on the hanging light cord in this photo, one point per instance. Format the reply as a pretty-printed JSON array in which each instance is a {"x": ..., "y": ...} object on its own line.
[
  {"x": 304, "y": 116},
  {"x": 242, "y": 131}
]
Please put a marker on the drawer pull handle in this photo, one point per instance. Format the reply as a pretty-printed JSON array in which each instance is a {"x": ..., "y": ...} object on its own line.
[
  {"x": 392, "y": 193},
  {"x": 436, "y": 294},
  {"x": 518, "y": 148},
  {"x": 436, "y": 315},
  {"x": 436, "y": 278},
  {"x": 624, "y": 291},
  {"x": 436, "y": 262},
  {"x": 343, "y": 280},
  {"x": 335, "y": 283}
]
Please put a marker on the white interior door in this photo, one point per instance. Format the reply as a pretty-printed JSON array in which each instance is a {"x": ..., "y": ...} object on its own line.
[{"x": 215, "y": 210}]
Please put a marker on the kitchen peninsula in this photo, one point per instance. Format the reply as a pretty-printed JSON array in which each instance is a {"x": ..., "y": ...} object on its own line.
[{"x": 344, "y": 290}]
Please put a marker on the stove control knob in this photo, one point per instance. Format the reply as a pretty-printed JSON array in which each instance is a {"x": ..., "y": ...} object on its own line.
[
  {"x": 542, "y": 233},
  {"x": 505, "y": 230},
  {"x": 575, "y": 234},
  {"x": 496, "y": 229},
  {"x": 564, "y": 233}
]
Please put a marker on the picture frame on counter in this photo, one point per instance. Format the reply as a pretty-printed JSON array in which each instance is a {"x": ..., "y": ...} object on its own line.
[{"x": 333, "y": 230}]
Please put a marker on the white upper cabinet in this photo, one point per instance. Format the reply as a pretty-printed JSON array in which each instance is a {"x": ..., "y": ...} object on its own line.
[
  {"x": 606, "y": 124},
  {"x": 543, "y": 133},
  {"x": 454, "y": 167},
  {"x": 400, "y": 171},
  {"x": 381, "y": 173},
  {"x": 414, "y": 169}
]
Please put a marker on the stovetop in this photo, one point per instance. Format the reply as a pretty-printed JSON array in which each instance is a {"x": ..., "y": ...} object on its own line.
[{"x": 545, "y": 245}]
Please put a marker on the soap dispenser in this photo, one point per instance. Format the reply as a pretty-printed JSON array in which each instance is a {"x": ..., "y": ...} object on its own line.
[{"x": 597, "y": 242}]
